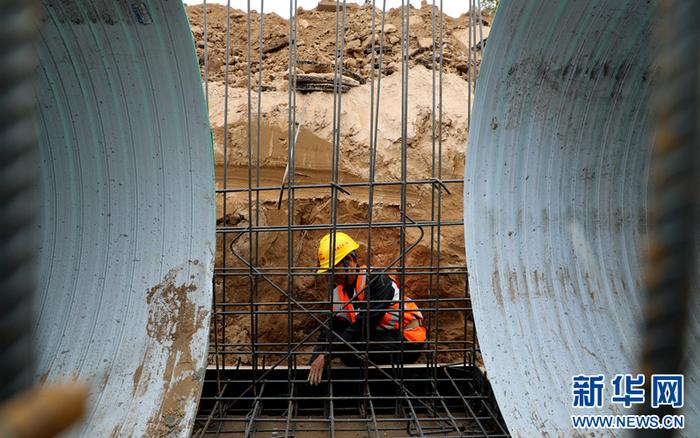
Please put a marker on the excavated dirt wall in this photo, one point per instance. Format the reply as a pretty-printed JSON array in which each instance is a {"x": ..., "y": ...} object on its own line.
[
  {"x": 316, "y": 36},
  {"x": 313, "y": 163}
]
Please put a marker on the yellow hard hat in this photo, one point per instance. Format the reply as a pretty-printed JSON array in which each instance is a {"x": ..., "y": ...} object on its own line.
[{"x": 344, "y": 245}]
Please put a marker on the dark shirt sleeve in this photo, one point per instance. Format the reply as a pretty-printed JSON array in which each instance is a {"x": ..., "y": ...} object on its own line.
[
  {"x": 380, "y": 294},
  {"x": 326, "y": 335}
]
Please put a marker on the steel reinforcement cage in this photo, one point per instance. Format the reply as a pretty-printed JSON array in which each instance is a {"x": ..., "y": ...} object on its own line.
[{"x": 257, "y": 383}]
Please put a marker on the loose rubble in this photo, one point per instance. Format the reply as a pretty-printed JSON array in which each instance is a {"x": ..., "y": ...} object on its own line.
[{"x": 316, "y": 40}]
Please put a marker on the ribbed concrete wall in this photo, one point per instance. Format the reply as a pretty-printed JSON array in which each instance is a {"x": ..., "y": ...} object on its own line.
[
  {"x": 128, "y": 205},
  {"x": 555, "y": 205}
]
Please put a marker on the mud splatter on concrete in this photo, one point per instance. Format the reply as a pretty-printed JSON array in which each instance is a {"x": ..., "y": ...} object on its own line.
[
  {"x": 497, "y": 291},
  {"x": 137, "y": 378},
  {"x": 173, "y": 321}
]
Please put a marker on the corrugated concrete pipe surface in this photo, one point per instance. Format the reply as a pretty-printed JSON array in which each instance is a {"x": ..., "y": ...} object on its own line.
[
  {"x": 556, "y": 189},
  {"x": 127, "y": 233}
]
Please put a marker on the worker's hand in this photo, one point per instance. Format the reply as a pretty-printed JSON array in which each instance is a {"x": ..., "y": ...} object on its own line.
[{"x": 316, "y": 371}]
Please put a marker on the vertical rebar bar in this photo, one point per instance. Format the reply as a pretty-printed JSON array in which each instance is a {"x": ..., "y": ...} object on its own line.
[
  {"x": 432, "y": 356},
  {"x": 674, "y": 209},
  {"x": 225, "y": 167},
  {"x": 404, "y": 151},
  {"x": 20, "y": 212},
  {"x": 291, "y": 139},
  {"x": 254, "y": 321},
  {"x": 370, "y": 194},
  {"x": 249, "y": 135}
]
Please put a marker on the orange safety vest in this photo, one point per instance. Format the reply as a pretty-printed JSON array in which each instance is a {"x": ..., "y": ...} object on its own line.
[{"x": 343, "y": 308}]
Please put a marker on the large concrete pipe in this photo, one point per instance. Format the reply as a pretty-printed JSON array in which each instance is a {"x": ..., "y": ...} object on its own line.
[
  {"x": 127, "y": 234},
  {"x": 556, "y": 186}
]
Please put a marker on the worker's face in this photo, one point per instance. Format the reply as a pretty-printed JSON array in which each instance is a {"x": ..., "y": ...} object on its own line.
[{"x": 344, "y": 274}]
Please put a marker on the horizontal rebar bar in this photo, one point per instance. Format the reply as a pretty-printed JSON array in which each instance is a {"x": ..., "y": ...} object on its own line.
[
  {"x": 317, "y": 302},
  {"x": 388, "y": 430},
  {"x": 337, "y": 397},
  {"x": 346, "y": 226},
  {"x": 314, "y": 343},
  {"x": 443, "y": 270},
  {"x": 374, "y": 380},
  {"x": 341, "y": 185},
  {"x": 346, "y": 420},
  {"x": 328, "y": 311},
  {"x": 301, "y": 353}
]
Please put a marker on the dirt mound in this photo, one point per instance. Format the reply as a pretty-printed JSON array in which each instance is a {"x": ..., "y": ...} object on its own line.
[{"x": 316, "y": 40}]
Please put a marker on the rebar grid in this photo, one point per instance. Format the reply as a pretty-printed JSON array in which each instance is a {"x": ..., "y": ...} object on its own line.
[{"x": 258, "y": 386}]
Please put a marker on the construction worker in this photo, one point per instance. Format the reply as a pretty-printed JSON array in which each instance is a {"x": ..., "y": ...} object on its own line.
[{"x": 389, "y": 340}]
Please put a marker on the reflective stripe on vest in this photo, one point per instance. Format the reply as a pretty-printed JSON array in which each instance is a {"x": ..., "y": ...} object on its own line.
[
  {"x": 390, "y": 321},
  {"x": 342, "y": 306}
]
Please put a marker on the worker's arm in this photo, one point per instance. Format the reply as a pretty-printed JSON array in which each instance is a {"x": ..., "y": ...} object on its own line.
[
  {"x": 380, "y": 294},
  {"x": 318, "y": 358},
  {"x": 324, "y": 338}
]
